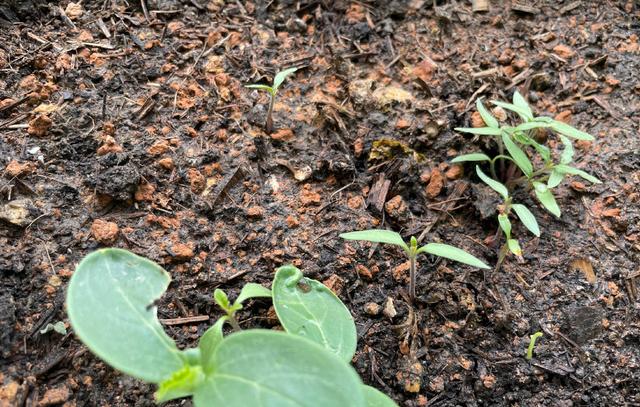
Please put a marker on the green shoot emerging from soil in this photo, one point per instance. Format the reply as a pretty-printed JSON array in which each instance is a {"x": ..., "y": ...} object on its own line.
[
  {"x": 273, "y": 91},
  {"x": 250, "y": 290},
  {"x": 532, "y": 343},
  {"x": 412, "y": 251},
  {"x": 520, "y": 150}
]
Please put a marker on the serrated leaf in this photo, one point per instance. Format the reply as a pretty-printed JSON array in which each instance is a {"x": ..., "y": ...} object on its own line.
[
  {"x": 505, "y": 224},
  {"x": 523, "y": 113},
  {"x": 546, "y": 198},
  {"x": 495, "y": 185},
  {"x": 252, "y": 290},
  {"x": 452, "y": 253},
  {"x": 566, "y": 130},
  {"x": 376, "y": 398},
  {"x": 269, "y": 368},
  {"x": 280, "y": 77},
  {"x": 514, "y": 247},
  {"x": 182, "y": 383},
  {"x": 487, "y": 117},
  {"x": 527, "y": 218},
  {"x": 110, "y": 305},
  {"x": 210, "y": 340},
  {"x": 519, "y": 101},
  {"x": 377, "y": 236},
  {"x": 555, "y": 178},
  {"x": 482, "y": 131},
  {"x": 567, "y": 154},
  {"x": 307, "y": 308},
  {"x": 471, "y": 157},
  {"x": 519, "y": 157},
  {"x": 565, "y": 169}
]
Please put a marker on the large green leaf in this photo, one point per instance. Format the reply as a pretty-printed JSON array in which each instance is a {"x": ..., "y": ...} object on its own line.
[
  {"x": 482, "y": 131},
  {"x": 377, "y": 236},
  {"x": 487, "y": 117},
  {"x": 566, "y": 130},
  {"x": 209, "y": 341},
  {"x": 471, "y": 157},
  {"x": 276, "y": 369},
  {"x": 307, "y": 308},
  {"x": 546, "y": 198},
  {"x": 376, "y": 398},
  {"x": 280, "y": 77},
  {"x": 527, "y": 218},
  {"x": 495, "y": 185},
  {"x": 110, "y": 305},
  {"x": 565, "y": 169},
  {"x": 519, "y": 157},
  {"x": 452, "y": 253}
]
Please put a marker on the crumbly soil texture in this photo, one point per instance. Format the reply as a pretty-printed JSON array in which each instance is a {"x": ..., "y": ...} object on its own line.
[{"x": 127, "y": 124}]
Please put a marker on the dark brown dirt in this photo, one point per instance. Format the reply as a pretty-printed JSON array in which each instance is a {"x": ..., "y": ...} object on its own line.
[{"x": 140, "y": 135}]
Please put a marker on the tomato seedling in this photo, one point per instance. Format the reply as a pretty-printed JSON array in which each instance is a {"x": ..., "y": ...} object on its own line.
[{"x": 272, "y": 91}]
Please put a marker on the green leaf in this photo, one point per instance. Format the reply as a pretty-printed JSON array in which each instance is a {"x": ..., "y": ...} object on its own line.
[
  {"x": 566, "y": 130},
  {"x": 565, "y": 169},
  {"x": 210, "y": 340},
  {"x": 252, "y": 290},
  {"x": 110, "y": 305},
  {"x": 260, "y": 87},
  {"x": 307, "y": 308},
  {"x": 182, "y": 383},
  {"x": 546, "y": 198},
  {"x": 523, "y": 113},
  {"x": 269, "y": 368},
  {"x": 377, "y": 236},
  {"x": 505, "y": 224},
  {"x": 471, "y": 157},
  {"x": 487, "y": 117},
  {"x": 376, "y": 398},
  {"x": 555, "y": 178},
  {"x": 519, "y": 101},
  {"x": 280, "y": 77},
  {"x": 482, "y": 131},
  {"x": 514, "y": 247},
  {"x": 544, "y": 151},
  {"x": 57, "y": 327},
  {"x": 452, "y": 253},
  {"x": 527, "y": 218},
  {"x": 220, "y": 297},
  {"x": 567, "y": 153},
  {"x": 531, "y": 125},
  {"x": 519, "y": 157},
  {"x": 495, "y": 185}
]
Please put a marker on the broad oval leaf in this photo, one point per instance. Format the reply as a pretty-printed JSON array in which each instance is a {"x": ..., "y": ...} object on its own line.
[
  {"x": 482, "y": 131},
  {"x": 505, "y": 225},
  {"x": 566, "y": 130},
  {"x": 471, "y": 157},
  {"x": 519, "y": 157},
  {"x": 555, "y": 178},
  {"x": 519, "y": 101},
  {"x": 495, "y": 185},
  {"x": 546, "y": 198},
  {"x": 452, "y": 253},
  {"x": 110, "y": 305},
  {"x": 307, "y": 308},
  {"x": 377, "y": 236},
  {"x": 280, "y": 77},
  {"x": 252, "y": 290},
  {"x": 487, "y": 117},
  {"x": 275, "y": 369},
  {"x": 565, "y": 169},
  {"x": 376, "y": 398},
  {"x": 527, "y": 218}
]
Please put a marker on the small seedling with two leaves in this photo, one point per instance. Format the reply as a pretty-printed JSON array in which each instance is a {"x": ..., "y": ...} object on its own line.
[
  {"x": 518, "y": 146},
  {"x": 272, "y": 91},
  {"x": 412, "y": 251},
  {"x": 250, "y": 290}
]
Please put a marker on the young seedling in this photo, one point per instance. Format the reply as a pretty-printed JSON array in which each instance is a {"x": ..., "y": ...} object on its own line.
[
  {"x": 250, "y": 290},
  {"x": 273, "y": 91},
  {"x": 532, "y": 344},
  {"x": 412, "y": 251}
]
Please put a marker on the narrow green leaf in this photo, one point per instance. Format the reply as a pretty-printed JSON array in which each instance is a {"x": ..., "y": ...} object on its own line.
[
  {"x": 452, "y": 253},
  {"x": 307, "y": 308},
  {"x": 505, "y": 225},
  {"x": 377, "y": 236},
  {"x": 471, "y": 157},
  {"x": 544, "y": 151},
  {"x": 252, "y": 290},
  {"x": 555, "y": 178},
  {"x": 487, "y": 117},
  {"x": 110, "y": 305},
  {"x": 210, "y": 340},
  {"x": 280, "y": 77},
  {"x": 519, "y": 101},
  {"x": 269, "y": 368},
  {"x": 566, "y": 130},
  {"x": 514, "y": 247},
  {"x": 495, "y": 185},
  {"x": 527, "y": 218},
  {"x": 531, "y": 125},
  {"x": 565, "y": 169},
  {"x": 182, "y": 383},
  {"x": 519, "y": 157},
  {"x": 567, "y": 153},
  {"x": 220, "y": 297},
  {"x": 376, "y": 398},
  {"x": 546, "y": 198},
  {"x": 260, "y": 87},
  {"x": 523, "y": 113},
  {"x": 482, "y": 131}
]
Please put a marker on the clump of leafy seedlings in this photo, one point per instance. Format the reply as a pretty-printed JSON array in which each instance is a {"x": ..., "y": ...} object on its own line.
[
  {"x": 111, "y": 306},
  {"x": 273, "y": 91},
  {"x": 412, "y": 251},
  {"x": 541, "y": 170},
  {"x": 532, "y": 343}
]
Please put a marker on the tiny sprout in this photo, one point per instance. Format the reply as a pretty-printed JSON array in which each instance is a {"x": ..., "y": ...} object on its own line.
[
  {"x": 273, "y": 91},
  {"x": 532, "y": 344},
  {"x": 250, "y": 290},
  {"x": 412, "y": 250}
]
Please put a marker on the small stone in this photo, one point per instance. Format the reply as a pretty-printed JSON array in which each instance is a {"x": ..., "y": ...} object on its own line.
[
  {"x": 166, "y": 163},
  {"x": 563, "y": 51},
  {"x": 334, "y": 283},
  {"x": 476, "y": 120},
  {"x": 506, "y": 57},
  {"x": 17, "y": 169},
  {"x": 144, "y": 192},
  {"x": 39, "y": 126},
  {"x": 255, "y": 212},
  {"x": 18, "y": 212},
  {"x": 196, "y": 180},
  {"x": 389, "y": 310},
  {"x": 309, "y": 197},
  {"x": 283, "y": 135},
  {"x": 73, "y": 10},
  {"x": 436, "y": 183},
  {"x": 292, "y": 222},
  {"x": 425, "y": 176},
  {"x": 57, "y": 395},
  {"x": 181, "y": 252},
  {"x": 455, "y": 172},
  {"x": 564, "y": 116},
  {"x": 389, "y": 95},
  {"x": 364, "y": 271},
  {"x": 109, "y": 146},
  {"x": 401, "y": 272},
  {"x": 371, "y": 308},
  {"x": 158, "y": 148},
  {"x": 499, "y": 113},
  {"x": 104, "y": 232},
  {"x": 396, "y": 207}
]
